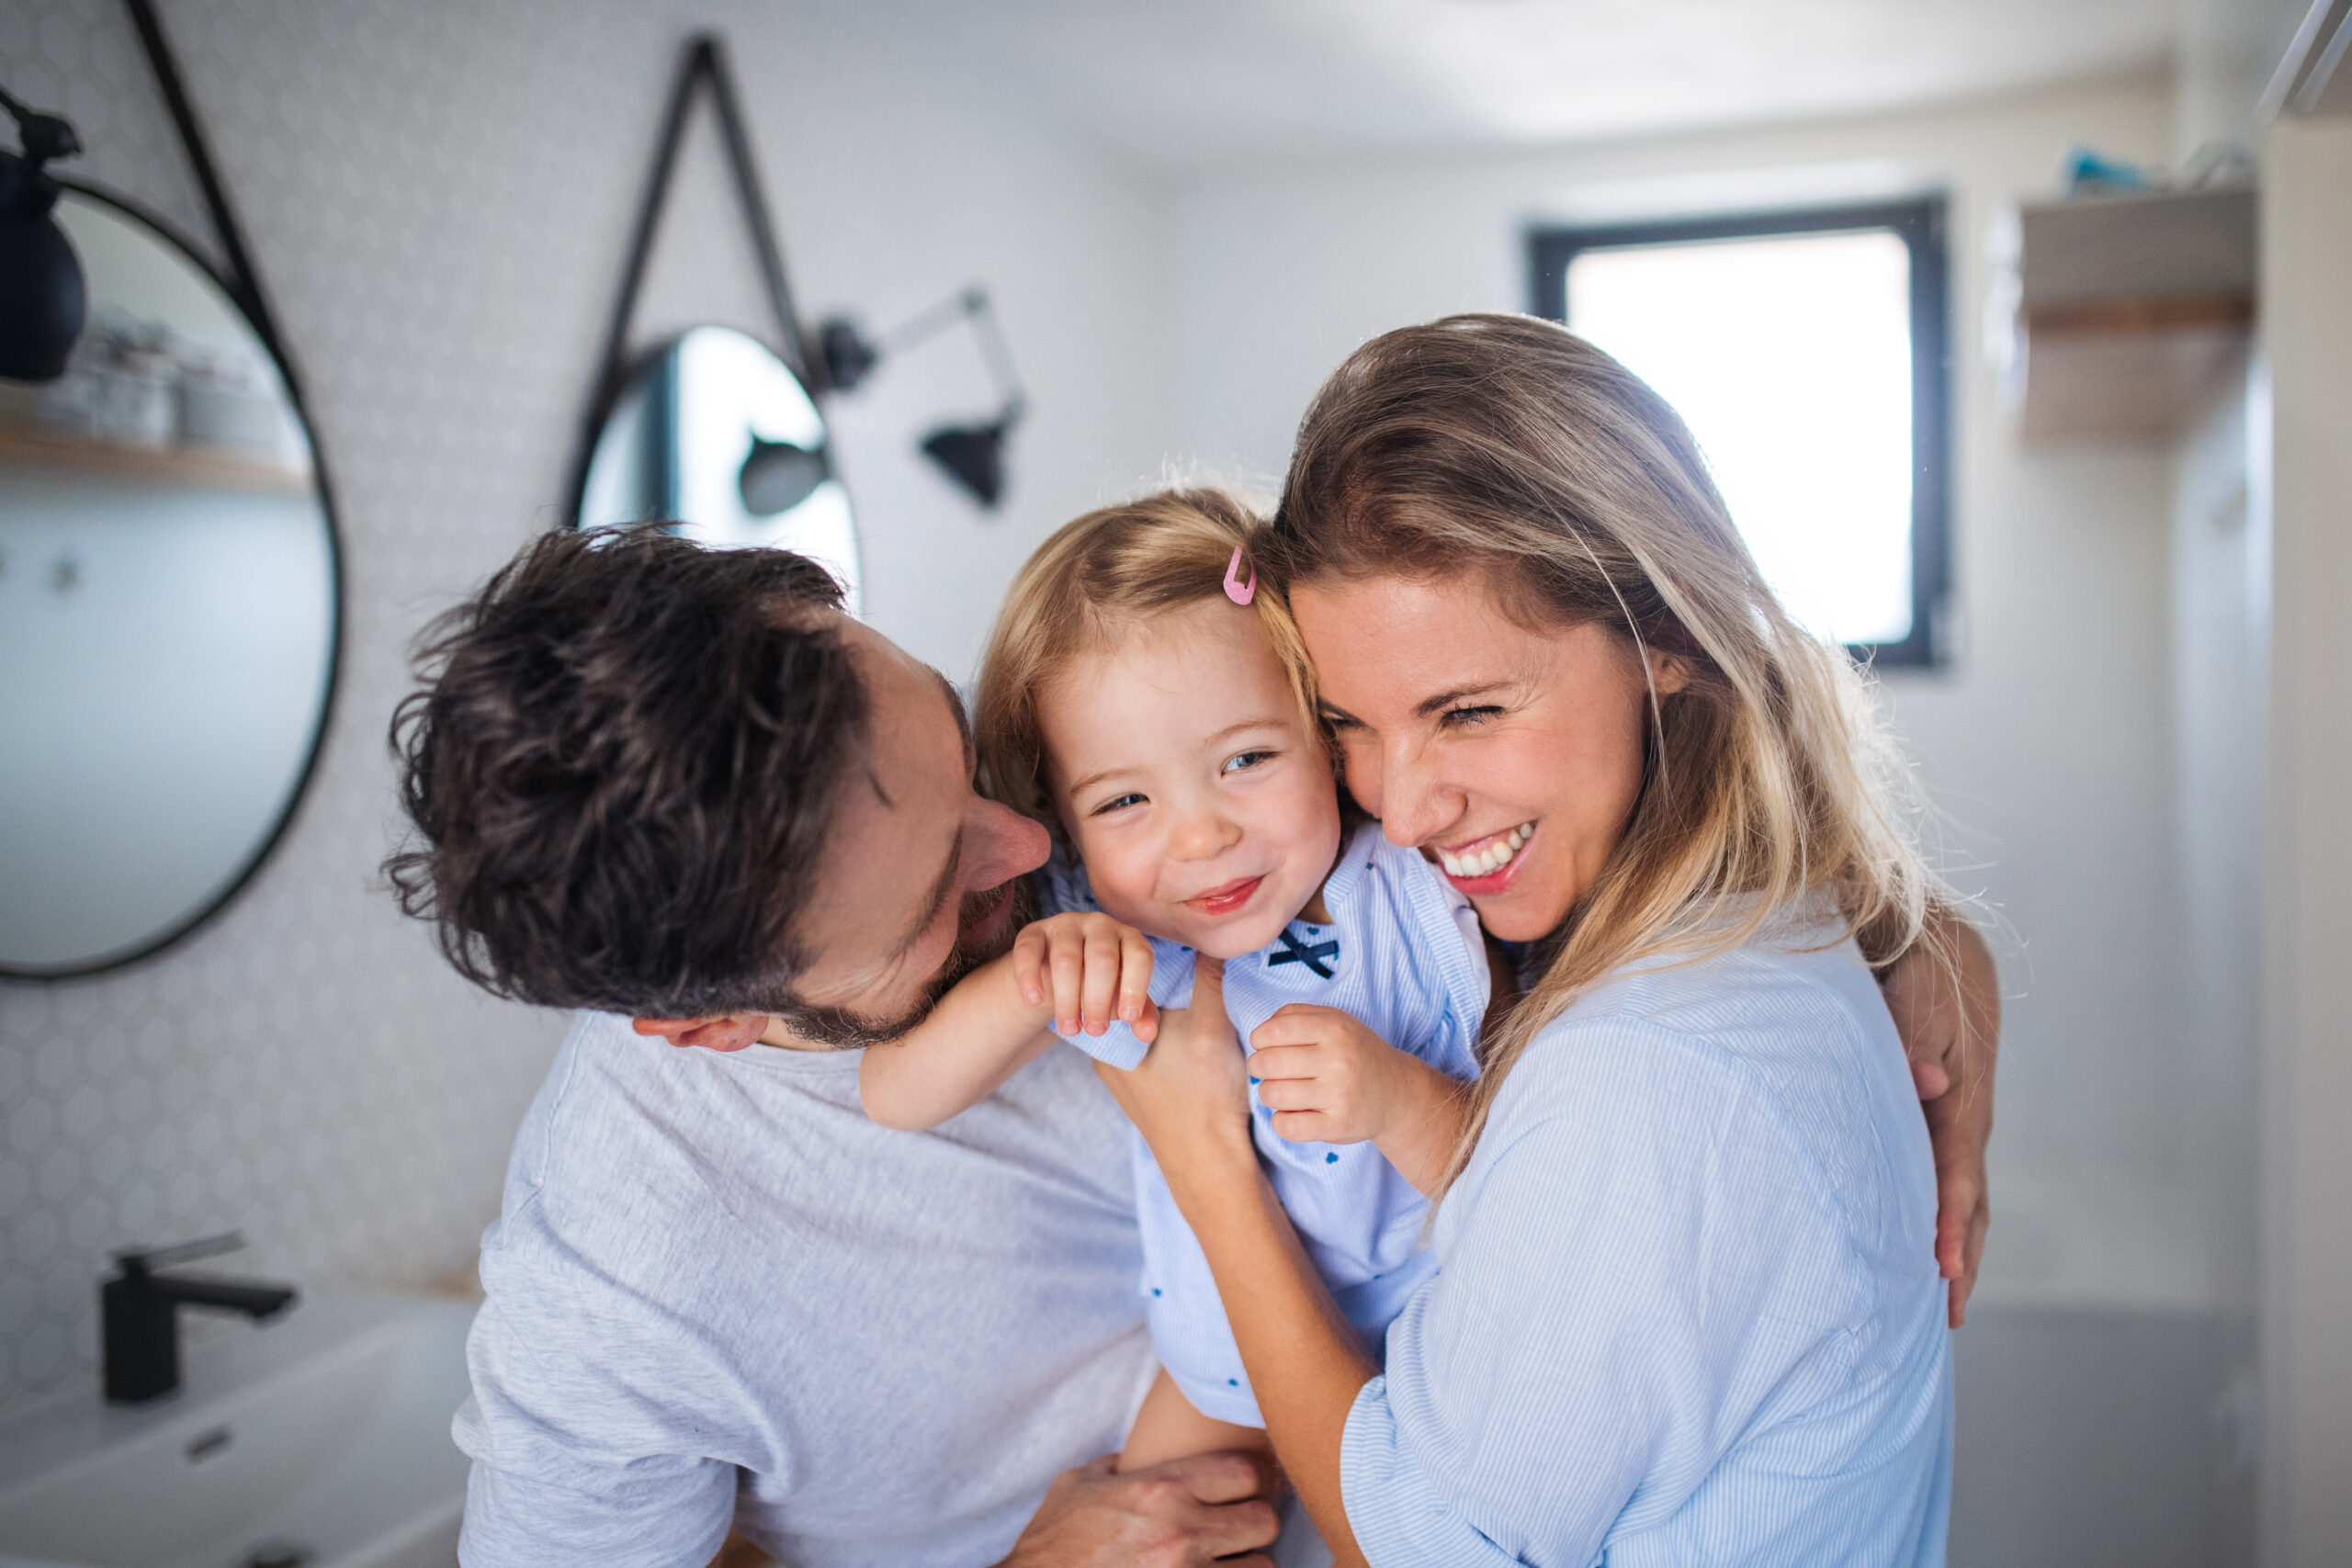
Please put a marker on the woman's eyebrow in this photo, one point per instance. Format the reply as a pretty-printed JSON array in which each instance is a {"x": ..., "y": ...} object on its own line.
[{"x": 1444, "y": 700}]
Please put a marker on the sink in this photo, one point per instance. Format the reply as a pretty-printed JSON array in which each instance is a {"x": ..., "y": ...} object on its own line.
[{"x": 319, "y": 1442}]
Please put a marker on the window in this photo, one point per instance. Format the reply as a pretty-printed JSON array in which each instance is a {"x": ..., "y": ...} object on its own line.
[{"x": 1806, "y": 351}]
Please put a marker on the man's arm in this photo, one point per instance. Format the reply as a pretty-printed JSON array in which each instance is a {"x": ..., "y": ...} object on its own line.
[
  {"x": 1184, "y": 1514},
  {"x": 1948, "y": 1013}
]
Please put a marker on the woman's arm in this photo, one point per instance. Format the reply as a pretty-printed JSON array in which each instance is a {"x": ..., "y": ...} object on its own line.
[
  {"x": 1191, "y": 1103},
  {"x": 1949, "y": 1018}
]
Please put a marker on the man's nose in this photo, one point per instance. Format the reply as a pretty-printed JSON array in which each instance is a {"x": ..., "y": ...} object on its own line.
[{"x": 1007, "y": 845}]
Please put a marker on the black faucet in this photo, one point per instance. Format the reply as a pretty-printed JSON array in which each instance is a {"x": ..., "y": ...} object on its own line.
[{"x": 140, "y": 1312}]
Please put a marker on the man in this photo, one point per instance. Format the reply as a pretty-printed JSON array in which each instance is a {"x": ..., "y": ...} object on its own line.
[{"x": 678, "y": 785}]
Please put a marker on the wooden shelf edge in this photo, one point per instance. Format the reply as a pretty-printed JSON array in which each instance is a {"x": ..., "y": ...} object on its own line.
[{"x": 167, "y": 465}]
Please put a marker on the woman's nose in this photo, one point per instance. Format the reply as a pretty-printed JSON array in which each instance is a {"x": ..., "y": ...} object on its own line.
[
  {"x": 1008, "y": 845},
  {"x": 1417, "y": 803}
]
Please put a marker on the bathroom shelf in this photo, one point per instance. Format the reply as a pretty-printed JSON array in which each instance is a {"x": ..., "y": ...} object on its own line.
[
  {"x": 2136, "y": 312},
  {"x": 22, "y": 446}
]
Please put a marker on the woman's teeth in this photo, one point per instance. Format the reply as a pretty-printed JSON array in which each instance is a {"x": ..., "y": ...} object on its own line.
[{"x": 1485, "y": 858}]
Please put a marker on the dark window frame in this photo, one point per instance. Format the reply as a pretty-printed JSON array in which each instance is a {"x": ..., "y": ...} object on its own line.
[{"x": 1920, "y": 223}]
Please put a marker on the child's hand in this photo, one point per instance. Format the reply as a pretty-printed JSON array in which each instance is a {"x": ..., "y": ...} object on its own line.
[
  {"x": 1329, "y": 1080},
  {"x": 1081, "y": 967}
]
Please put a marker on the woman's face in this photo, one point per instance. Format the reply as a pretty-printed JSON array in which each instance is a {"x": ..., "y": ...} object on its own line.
[{"x": 1509, "y": 757}]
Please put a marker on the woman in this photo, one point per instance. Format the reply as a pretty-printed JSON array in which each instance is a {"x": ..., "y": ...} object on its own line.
[{"x": 1688, "y": 1309}]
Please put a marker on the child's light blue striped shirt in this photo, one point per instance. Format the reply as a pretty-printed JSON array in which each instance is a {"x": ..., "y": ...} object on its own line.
[{"x": 1402, "y": 955}]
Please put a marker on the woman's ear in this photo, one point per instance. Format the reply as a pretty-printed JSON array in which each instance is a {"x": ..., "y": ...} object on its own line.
[{"x": 1669, "y": 672}]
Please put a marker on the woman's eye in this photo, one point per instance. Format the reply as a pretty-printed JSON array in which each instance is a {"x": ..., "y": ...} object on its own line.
[
  {"x": 1339, "y": 723},
  {"x": 1245, "y": 759},
  {"x": 1462, "y": 719},
  {"x": 1117, "y": 803}
]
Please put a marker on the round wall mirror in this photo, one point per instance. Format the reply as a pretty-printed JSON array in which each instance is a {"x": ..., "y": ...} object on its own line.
[
  {"x": 716, "y": 435},
  {"x": 169, "y": 598}
]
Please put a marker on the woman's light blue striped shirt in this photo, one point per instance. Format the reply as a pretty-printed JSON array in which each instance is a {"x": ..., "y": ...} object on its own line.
[{"x": 1689, "y": 1311}]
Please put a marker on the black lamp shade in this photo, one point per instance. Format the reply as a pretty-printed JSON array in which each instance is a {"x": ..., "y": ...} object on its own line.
[
  {"x": 848, "y": 357},
  {"x": 43, "y": 298},
  {"x": 973, "y": 455},
  {"x": 778, "y": 476}
]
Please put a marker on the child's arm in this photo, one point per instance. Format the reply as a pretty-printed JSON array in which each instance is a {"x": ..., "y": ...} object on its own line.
[
  {"x": 1074, "y": 972},
  {"x": 1329, "y": 1080}
]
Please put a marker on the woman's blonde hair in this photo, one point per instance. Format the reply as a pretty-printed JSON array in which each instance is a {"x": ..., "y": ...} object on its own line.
[
  {"x": 1506, "y": 447},
  {"x": 1094, "y": 579}
]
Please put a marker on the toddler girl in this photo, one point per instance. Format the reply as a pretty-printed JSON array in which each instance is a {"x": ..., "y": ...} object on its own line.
[{"x": 1142, "y": 696}]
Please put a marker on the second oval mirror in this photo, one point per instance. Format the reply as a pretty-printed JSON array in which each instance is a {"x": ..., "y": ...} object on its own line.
[{"x": 714, "y": 434}]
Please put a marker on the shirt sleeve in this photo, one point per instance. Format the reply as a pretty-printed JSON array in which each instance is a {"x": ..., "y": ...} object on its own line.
[
  {"x": 1643, "y": 1269},
  {"x": 671, "y": 1520},
  {"x": 600, "y": 1429}
]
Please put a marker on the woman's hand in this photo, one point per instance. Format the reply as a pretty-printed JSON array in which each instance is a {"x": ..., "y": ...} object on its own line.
[
  {"x": 1189, "y": 1098},
  {"x": 1090, "y": 971},
  {"x": 1952, "y": 1035}
]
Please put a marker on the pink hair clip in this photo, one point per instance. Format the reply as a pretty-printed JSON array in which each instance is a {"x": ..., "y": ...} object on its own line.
[{"x": 1234, "y": 588}]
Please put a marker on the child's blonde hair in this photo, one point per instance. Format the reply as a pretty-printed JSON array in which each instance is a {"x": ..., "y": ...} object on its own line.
[{"x": 1096, "y": 577}]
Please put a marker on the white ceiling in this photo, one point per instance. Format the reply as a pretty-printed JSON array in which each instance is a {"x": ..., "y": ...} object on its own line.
[{"x": 1186, "y": 85}]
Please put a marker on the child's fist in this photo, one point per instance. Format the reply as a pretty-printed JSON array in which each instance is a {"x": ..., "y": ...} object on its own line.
[
  {"x": 1089, "y": 971},
  {"x": 1328, "y": 1078}
]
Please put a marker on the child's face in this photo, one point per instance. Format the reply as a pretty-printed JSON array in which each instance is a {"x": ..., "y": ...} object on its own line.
[{"x": 1204, "y": 809}]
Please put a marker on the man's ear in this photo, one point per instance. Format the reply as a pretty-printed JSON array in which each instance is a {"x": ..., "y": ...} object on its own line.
[{"x": 728, "y": 1032}]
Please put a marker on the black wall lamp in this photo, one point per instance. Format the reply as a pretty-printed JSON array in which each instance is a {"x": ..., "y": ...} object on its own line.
[
  {"x": 776, "y": 476},
  {"x": 43, "y": 298},
  {"x": 972, "y": 453}
]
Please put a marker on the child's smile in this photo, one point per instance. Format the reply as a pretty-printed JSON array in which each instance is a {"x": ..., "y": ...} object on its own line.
[{"x": 1204, "y": 807}]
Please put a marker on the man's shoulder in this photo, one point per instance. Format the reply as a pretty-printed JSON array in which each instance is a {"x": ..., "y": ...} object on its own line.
[{"x": 726, "y": 1154}]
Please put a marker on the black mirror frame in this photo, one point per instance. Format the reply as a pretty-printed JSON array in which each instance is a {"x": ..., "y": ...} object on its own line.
[
  {"x": 702, "y": 68},
  {"x": 241, "y": 286}
]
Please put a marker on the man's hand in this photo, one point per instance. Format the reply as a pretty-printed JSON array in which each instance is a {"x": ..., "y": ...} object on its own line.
[
  {"x": 1184, "y": 1514},
  {"x": 1090, "y": 970},
  {"x": 1952, "y": 1032}
]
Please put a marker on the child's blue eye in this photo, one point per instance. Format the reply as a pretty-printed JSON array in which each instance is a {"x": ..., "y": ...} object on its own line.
[
  {"x": 1245, "y": 759},
  {"x": 1123, "y": 800}
]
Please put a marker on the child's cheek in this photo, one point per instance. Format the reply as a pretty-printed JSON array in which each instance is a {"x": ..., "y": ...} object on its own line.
[{"x": 1121, "y": 876}]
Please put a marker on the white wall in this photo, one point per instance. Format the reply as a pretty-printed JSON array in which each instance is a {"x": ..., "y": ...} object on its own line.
[
  {"x": 2047, "y": 742},
  {"x": 438, "y": 192},
  {"x": 2307, "y": 850}
]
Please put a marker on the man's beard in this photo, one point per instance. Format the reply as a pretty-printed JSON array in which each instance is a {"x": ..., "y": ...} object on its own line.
[{"x": 838, "y": 1029}]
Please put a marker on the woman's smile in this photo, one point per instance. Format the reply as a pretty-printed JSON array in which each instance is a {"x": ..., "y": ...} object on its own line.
[{"x": 1480, "y": 866}]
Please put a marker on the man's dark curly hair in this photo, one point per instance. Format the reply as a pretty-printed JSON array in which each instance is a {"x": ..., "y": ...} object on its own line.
[{"x": 620, "y": 764}]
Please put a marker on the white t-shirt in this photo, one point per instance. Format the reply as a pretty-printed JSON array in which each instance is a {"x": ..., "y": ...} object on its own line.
[{"x": 717, "y": 1290}]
